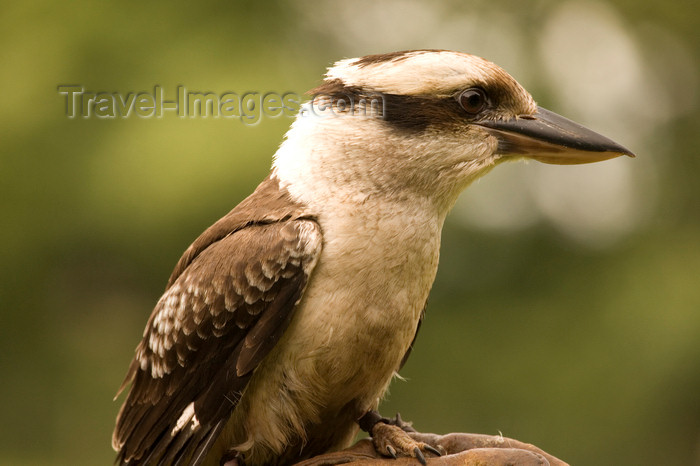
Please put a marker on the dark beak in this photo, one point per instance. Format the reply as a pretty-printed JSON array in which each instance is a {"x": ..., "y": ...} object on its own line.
[{"x": 551, "y": 138}]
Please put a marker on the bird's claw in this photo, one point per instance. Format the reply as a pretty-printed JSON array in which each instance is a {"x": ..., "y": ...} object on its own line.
[
  {"x": 393, "y": 441},
  {"x": 419, "y": 456},
  {"x": 432, "y": 449},
  {"x": 399, "y": 422}
]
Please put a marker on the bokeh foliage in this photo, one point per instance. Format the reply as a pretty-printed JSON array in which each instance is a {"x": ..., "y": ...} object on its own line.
[{"x": 592, "y": 353}]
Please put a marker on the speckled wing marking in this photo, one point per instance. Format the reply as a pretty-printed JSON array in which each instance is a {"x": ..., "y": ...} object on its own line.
[{"x": 216, "y": 321}]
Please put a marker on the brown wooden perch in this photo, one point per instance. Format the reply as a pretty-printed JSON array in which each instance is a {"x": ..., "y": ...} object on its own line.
[{"x": 460, "y": 449}]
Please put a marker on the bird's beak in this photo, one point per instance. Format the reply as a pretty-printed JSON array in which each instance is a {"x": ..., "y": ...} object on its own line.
[{"x": 551, "y": 138}]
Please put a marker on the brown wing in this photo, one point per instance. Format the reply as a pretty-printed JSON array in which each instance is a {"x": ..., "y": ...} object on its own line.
[{"x": 221, "y": 314}]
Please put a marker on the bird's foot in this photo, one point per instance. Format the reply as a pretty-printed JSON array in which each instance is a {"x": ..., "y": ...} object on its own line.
[
  {"x": 393, "y": 441},
  {"x": 390, "y": 437},
  {"x": 406, "y": 426}
]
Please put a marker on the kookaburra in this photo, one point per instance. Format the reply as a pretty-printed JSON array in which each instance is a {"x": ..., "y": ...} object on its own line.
[{"x": 283, "y": 324}]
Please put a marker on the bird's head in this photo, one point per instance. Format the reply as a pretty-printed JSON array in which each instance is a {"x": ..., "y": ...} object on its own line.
[{"x": 427, "y": 122}]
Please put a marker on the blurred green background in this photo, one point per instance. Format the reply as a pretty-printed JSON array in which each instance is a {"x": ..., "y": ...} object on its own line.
[{"x": 566, "y": 311}]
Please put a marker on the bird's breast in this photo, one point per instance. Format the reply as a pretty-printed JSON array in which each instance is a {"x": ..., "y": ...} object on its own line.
[{"x": 362, "y": 307}]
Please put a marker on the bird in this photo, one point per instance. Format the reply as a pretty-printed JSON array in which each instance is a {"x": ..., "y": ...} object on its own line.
[{"x": 283, "y": 324}]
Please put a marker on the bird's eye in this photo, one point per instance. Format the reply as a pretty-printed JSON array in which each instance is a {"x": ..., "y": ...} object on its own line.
[{"x": 473, "y": 100}]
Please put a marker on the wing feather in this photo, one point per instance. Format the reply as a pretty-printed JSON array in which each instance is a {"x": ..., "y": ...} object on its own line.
[{"x": 219, "y": 317}]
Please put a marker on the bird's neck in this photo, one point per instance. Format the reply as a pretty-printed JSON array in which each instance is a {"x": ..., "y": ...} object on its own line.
[{"x": 354, "y": 161}]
